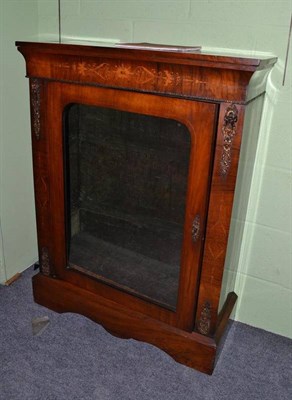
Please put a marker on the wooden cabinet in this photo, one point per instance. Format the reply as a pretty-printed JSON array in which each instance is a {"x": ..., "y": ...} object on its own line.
[{"x": 135, "y": 159}]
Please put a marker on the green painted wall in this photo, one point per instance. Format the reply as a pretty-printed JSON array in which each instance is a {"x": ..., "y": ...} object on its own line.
[
  {"x": 19, "y": 20},
  {"x": 263, "y": 276}
]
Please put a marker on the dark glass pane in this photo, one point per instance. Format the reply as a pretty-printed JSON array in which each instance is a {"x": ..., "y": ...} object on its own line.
[{"x": 126, "y": 189}]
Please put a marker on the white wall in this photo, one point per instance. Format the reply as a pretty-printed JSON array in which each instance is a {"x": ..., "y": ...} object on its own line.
[{"x": 19, "y": 21}]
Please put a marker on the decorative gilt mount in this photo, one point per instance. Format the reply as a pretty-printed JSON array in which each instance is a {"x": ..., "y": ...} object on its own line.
[
  {"x": 229, "y": 131},
  {"x": 45, "y": 261},
  {"x": 35, "y": 86},
  {"x": 196, "y": 228},
  {"x": 204, "y": 322}
]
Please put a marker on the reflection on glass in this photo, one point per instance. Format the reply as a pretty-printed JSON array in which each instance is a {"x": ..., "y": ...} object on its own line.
[{"x": 126, "y": 178}]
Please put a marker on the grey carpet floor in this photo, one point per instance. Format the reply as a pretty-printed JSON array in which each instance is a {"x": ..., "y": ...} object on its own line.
[{"x": 74, "y": 358}]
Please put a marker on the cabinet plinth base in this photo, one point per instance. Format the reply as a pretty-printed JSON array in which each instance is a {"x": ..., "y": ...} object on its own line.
[{"x": 191, "y": 349}]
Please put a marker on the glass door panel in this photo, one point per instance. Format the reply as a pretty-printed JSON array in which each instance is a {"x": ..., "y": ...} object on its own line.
[{"x": 126, "y": 183}]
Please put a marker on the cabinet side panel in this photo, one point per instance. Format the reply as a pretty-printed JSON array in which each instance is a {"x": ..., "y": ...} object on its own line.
[{"x": 248, "y": 151}]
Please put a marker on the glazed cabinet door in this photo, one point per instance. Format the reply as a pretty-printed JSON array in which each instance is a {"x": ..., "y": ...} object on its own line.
[{"x": 122, "y": 182}]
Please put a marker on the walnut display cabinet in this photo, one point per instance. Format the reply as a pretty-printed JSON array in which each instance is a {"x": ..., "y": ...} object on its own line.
[{"x": 135, "y": 156}]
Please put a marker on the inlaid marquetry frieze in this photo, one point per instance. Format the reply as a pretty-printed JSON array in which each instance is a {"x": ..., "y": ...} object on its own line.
[
  {"x": 148, "y": 77},
  {"x": 41, "y": 185},
  {"x": 125, "y": 72}
]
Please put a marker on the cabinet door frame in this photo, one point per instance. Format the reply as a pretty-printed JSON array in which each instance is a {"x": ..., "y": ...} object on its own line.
[{"x": 199, "y": 117}]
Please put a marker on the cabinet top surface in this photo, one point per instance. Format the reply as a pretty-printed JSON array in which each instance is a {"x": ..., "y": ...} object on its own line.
[{"x": 212, "y": 60}]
